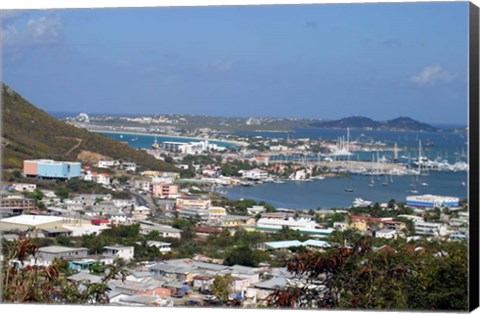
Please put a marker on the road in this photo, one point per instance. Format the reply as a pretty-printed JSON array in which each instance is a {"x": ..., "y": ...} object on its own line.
[{"x": 143, "y": 200}]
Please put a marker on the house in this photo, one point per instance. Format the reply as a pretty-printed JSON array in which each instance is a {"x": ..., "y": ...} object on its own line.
[
  {"x": 140, "y": 212},
  {"x": 49, "y": 253},
  {"x": 128, "y": 166},
  {"x": 24, "y": 187},
  {"x": 385, "y": 234},
  {"x": 216, "y": 213},
  {"x": 163, "y": 247},
  {"x": 233, "y": 221},
  {"x": 108, "y": 163},
  {"x": 164, "y": 231},
  {"x": 119, "y": 251},
  {"x": 100, "y": 178},
  {"x": 256, "y": 209}
]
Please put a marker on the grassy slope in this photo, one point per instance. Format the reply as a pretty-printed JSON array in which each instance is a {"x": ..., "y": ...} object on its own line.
[{"x": 29, "y": 132}]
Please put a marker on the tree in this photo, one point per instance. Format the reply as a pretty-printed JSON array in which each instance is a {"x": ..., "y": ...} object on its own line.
[
  {"x": 62, "y": 192},
  {"x": 242, "y": 255},
  {"x": 435, "y": 278},
  {"x": 222, "y": 287},
  {"x": 23, "y": 283}
]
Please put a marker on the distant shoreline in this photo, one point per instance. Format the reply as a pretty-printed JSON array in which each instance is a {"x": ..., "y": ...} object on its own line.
[{"x": 173, "y": 136}]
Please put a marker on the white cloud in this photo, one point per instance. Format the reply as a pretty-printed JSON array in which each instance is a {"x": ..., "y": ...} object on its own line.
[
  {"x": 431, "y": 75},
  {"x": 40, "y": 31}
]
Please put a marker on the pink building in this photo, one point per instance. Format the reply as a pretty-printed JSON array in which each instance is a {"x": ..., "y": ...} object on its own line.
[{"x": 164, "y": 190}]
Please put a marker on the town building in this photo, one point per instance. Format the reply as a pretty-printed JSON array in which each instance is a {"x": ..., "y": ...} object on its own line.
[
  {"x": 164, "y": 190},
  {"x": 108, "y": 163},
  {"x": 193, "y": 201},
  {"x": 432, "y": 201},
  {"x": 49, "y": 253},
  {"x": 255, "y": 174},
  {"x": 51, "y": 169},
  {"x": 119, "y": 251},
  {"x": 15, "y": 204},
  {"x": 24, "y": 187},
  {"x": 164, "y": 231},
  {"x": 100, "y": 178},
  {"x": 430, "y": 228}
]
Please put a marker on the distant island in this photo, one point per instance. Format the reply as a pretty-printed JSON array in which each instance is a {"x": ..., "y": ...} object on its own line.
[
  {"x": 359, "y": 122},
  {"x": 155, "y": 123}
]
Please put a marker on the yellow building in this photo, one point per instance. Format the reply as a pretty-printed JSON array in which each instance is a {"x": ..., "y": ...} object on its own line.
[{"x": 193, "y": 201}]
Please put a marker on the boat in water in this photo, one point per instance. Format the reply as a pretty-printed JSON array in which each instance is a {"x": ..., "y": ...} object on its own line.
[{"x": 359, "y": 202}]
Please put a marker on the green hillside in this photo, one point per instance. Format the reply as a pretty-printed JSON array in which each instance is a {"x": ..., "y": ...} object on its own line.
[{"x": 29, "y": 133}]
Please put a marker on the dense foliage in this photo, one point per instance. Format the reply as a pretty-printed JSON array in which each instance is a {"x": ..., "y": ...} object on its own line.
[{"x": 430, "y": 276}]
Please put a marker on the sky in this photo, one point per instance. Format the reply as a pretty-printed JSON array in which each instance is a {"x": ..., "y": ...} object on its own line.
[{"x": 324, "y": 61}]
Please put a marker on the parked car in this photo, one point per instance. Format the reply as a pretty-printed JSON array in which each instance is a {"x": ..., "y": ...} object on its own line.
[
  {"x": 192, "y": 303},
  {"x": 179, "y": 294}
]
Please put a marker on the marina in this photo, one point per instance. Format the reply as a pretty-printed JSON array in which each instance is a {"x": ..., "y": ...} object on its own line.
[{"x": 330, "y": 193}]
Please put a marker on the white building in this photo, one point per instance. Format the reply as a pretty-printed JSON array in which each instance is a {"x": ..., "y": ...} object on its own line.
[
  {"x": 430, "y": 228},
  {"x": 119, "y": 251},
  {"x": 24, "y": 187},
  {"x": 304, "y": 226},
  {"x": 108, "y": 163},
  {"x": 100, "y": 178},
  {"x": 163, "y": 247},
  {"x": 255, "y": 174},
  {"x": 386, "y": 234}
]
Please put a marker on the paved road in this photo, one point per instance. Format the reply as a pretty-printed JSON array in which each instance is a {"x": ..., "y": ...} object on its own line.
[{"x": 143, "y": 200}]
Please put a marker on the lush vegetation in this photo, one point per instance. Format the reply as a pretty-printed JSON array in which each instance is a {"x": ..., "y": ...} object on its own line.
[{"x": 400, "y": 276}]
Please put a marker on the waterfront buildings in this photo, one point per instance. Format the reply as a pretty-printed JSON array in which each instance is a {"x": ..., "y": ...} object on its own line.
[
  {"x": 51, "y": 169},
  {"x": 432, "y": 201}
]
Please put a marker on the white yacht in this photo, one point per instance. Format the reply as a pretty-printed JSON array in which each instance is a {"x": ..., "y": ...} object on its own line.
[{"x": 359, "y": 202}]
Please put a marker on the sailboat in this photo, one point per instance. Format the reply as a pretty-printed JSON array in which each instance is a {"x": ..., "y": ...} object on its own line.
[
  {"x": 385, "y": 183},
  {"x": 371, "y": 181}
]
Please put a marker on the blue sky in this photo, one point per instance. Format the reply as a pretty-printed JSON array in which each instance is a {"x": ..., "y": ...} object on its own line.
[{"x": 317, "y": 61}]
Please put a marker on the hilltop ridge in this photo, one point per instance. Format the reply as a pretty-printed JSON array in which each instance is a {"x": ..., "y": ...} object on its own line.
[{"x": 29, "y": 132}]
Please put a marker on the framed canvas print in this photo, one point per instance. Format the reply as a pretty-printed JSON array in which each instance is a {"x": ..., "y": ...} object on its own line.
[{"x": 318, "y": 156}]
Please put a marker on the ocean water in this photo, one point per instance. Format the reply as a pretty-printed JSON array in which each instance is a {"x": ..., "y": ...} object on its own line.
[{"x": 330, "y": 192}]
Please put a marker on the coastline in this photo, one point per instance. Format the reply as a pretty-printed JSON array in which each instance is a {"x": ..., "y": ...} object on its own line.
[{"x": 173, "y": 136}]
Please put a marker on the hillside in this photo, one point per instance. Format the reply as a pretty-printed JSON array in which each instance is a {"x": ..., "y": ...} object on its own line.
[
  {"x": 29, "y": 132},
  {"x": 358, "y": 122}
]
